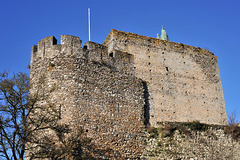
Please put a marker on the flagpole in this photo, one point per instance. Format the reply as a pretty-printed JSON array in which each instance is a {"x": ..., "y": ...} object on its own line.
[{"x": 89, "y": 24}]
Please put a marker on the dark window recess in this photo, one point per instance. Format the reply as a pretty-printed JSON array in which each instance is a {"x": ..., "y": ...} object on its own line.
[
  {"x": 85, "y": 47},
  {"x": 166, "y": 68},
  {"x": 34, "y": 48},
  {"x": 54, "y": 41},
  {"x": 111, "y": 54},
  {"x": 162, "y": 52},
  {"x": 149, "y": 63}
]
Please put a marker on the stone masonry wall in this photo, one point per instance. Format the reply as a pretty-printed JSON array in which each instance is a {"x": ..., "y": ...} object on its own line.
[
  {"x": 211, "y": 143},
  {"x": 113, "y": 90},
  {"x": 94, "y": 89},
  {"x": 184, "y": 81}
]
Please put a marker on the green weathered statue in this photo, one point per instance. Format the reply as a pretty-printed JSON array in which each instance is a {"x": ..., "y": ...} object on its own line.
[{"x": 164, "y": 35}]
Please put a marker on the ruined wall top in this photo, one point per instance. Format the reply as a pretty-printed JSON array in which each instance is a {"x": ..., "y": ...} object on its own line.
[{"x": 128, "y": 37}]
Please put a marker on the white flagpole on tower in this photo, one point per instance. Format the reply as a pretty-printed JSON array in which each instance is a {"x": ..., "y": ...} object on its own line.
[{"x": 89, "y": 24}]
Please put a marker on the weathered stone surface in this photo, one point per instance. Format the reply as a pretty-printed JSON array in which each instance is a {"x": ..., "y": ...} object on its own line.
[
  {"x": 184, "y": 81},
  {"x": 95, "y": 90},
  {"x": 212, "y": 143},
  {"x": 115, "y": 89}
]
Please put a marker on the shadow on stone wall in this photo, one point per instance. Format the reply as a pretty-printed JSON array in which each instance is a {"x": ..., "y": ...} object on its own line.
[{"x": 146, "y": 105}]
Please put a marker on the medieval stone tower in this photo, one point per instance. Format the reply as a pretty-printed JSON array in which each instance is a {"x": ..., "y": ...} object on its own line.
[{"x": 114, "y": 89}]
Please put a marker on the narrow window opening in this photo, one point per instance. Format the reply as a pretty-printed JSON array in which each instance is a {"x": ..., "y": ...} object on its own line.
[
  {"x": 166, "y": 68},
  {"x": 111, "y": 54},
  {"x": 43, "y": 49},
  {"x": 35, "y": 48},
  {"x": 162, "y": 52},
  {"x": 149, "y": 63},
  {"x": 54, "y": 41},
  {"x": 85, "y": 46}
]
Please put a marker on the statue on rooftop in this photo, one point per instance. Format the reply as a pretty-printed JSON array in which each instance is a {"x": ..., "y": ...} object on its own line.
[{"x": 164, "y": 35}]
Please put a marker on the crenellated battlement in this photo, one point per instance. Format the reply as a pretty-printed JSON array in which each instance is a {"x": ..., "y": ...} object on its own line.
[
  {"x": 48, "y": 48},
  {"x": 69, "y": 40}
]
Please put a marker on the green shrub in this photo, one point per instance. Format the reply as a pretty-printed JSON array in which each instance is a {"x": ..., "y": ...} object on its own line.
[
  {"x": 168, "y": 130},
  {"x": 234, "y": 131},
  {"x": 159, "y": 144},
  {"x": 153, "y": 132},
  {"x": 197, "y": 126}
]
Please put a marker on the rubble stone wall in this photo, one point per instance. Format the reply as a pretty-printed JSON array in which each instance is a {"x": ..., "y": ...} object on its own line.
[
  {"x": 184, "y": 81},
  {"x": 93, "y": 89},
  {"x": 212, "y": 143}
]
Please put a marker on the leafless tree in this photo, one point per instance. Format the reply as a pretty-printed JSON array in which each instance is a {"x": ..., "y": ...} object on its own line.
[
  {"x": 13, "y": 115},
  {"x": 23, "y": 119},
  {"x": 233, "y": 118}
]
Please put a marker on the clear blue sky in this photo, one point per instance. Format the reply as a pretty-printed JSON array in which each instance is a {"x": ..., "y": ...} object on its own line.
[{"x": 211, "y": 24}]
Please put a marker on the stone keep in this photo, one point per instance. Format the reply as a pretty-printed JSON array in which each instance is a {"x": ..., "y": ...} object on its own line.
[
  {"x": 184, "y": 81},
  {"x": 116, "y": 88}
]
